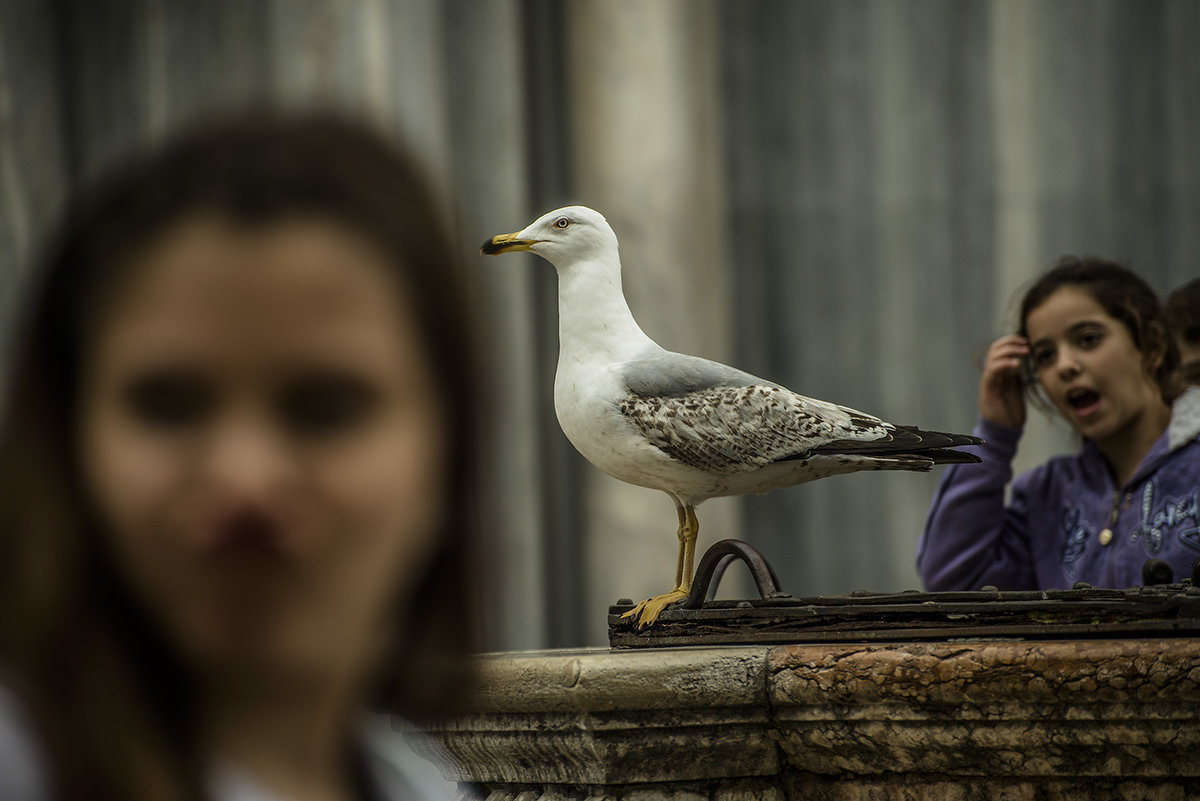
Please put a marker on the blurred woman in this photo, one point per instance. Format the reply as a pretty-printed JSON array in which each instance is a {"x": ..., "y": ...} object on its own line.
[{"x": 235, "y": 474}]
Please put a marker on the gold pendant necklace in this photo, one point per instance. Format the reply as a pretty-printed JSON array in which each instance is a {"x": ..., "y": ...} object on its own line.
[{"x": 1106, "y": 534}]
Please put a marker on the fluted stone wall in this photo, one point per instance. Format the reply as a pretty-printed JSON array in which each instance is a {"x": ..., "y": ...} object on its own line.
[
  {"x": 898, "y": 171},
  {"x": 839, "y": 195}
]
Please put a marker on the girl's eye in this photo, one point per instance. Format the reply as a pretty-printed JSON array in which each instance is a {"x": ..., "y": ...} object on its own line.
[
  {"x": 1042, "y": 357},
  {"x": 325, "y": 404},
  {"x": 1090, "y": 339},
  {"x": 562, "y": 222},
  {"x": 169, "y": 399}
]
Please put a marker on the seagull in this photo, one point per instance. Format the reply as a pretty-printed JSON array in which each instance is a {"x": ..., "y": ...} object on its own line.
[{"x": 693, "y": 428}]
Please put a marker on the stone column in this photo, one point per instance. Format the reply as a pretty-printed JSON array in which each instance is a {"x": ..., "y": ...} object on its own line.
[
  {"x": 1020, "y": 240},
  {"x": 644, "y": 95}
]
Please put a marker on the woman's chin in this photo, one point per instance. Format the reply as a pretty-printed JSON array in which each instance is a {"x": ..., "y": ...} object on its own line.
[{"x": 254, "y": 649}]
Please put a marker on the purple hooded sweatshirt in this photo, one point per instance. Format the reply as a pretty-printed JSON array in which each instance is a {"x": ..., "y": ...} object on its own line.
[{"x": 1051, "y": 533}]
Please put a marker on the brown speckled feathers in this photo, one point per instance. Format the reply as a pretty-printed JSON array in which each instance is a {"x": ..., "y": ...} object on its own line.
[{"x": 731, "y": 429}]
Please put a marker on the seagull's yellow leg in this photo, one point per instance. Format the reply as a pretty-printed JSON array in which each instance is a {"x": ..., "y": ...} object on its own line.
[
  {"x": 648, "y": 610},
  {"x": 689, "y": 547},
  {"x": 680, "y": 533}
]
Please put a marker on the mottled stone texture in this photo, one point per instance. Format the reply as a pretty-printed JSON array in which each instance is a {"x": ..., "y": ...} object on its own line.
[
  {"x": 998, "y": 720},
  {"x": 1037, "y": 709}
]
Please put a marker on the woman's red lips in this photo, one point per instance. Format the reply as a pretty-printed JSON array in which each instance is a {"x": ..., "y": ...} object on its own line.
[{"x": 246, "y": 533}]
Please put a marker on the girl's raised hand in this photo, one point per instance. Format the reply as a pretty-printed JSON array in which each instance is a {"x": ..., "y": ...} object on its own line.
[{"x": 1001, "y": 398}]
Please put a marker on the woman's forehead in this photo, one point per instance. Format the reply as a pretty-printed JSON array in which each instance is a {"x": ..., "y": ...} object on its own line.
[
  {"x": 297, "y": 284},
  {"x": 203, "y": 256}
]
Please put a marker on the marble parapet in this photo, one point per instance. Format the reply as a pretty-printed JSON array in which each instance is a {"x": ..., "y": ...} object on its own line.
[{"x": 1014, "y": 720}]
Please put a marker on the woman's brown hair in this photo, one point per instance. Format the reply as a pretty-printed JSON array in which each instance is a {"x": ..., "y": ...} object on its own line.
[{"x": 111, "y": 702}]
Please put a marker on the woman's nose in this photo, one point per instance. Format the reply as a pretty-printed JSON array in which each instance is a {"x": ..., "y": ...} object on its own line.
[{"x": 246, "y": 459}]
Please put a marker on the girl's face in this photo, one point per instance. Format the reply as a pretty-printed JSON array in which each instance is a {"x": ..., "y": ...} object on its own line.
[
  {"x": 261, "y": 435},
  {"x": 1089, "y": 367}
]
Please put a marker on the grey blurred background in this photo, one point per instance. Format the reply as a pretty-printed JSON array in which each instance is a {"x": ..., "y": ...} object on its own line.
[{"x": 843, "y": 196}]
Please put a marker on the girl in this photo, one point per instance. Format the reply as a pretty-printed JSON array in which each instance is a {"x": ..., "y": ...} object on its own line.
[
  {"x": 1182, "y": 311},
  {"x": 235, "y": 475},
  {"x": 1092, "y": 340}
]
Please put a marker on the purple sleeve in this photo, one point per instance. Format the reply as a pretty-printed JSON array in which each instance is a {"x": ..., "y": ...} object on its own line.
[{"x": 971, "y": 538}]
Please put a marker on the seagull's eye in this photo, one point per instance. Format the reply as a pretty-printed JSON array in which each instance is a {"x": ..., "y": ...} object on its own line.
[{"x": 562, "y": 222}]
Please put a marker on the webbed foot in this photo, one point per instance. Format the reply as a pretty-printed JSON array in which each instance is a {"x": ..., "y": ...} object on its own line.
[{"x": 648, "y": 610}]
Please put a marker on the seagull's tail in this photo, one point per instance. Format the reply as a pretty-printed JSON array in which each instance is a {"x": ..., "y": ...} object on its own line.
[
  {"x": 949, "y": 455},
  {"x": 907, "y": 448},
  {"x": 939, "y": 446}
]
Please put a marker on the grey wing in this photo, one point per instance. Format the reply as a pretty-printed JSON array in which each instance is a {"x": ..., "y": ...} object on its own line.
[
  {"x": 674, "y": 375},
  {"x": 716, "y": 418}
]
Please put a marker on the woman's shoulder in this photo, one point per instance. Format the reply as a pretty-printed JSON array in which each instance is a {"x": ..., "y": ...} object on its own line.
[
  {"x": 399, "y": 760},
  {"x": 394, "y": 760},
  {"x": 404, "y": 762},
  {"x": 22, "y": 767}
]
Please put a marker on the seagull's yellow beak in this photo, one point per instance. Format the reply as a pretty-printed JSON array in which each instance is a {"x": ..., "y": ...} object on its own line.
[{"x": 506, "y": 243}]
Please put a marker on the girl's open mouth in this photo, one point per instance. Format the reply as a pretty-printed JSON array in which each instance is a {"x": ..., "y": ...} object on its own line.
[{"x": 1085, "y": 402}]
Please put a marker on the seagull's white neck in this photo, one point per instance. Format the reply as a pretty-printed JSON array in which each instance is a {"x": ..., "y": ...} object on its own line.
[{"x": 594, "y": 320}]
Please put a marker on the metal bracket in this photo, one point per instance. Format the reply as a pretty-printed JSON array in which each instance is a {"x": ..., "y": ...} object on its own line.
[
  {"x": 1152, "y": 610},
  {"x": 712, "y": 569}
]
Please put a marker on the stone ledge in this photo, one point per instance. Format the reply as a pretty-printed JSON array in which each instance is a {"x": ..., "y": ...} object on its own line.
[
  {"x": 595, "y": 717},
  {"x": 977, "y": 720},
  {"x": 600, "y": 680}
]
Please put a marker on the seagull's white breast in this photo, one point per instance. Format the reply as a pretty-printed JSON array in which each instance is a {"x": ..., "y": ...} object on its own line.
[{"x": 587, "y": 400}]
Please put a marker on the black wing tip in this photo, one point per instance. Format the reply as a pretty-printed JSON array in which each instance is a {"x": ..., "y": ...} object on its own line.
[
  {"x": 942, "y": 444},
  {"x": 960, "y": 439},
  {"x": 942, "y": 439},
  {"x": 913, "y": 442},
  {"x": 950, "y": 456}
]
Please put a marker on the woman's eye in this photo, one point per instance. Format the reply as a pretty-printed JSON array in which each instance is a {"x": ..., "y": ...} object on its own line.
[
  {"x": 169, "y": 400},
  {"x": 323, "y": 405}
]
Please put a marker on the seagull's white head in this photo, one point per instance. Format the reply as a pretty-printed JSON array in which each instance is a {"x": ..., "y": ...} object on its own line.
[{"x": 562, "y": 237}]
